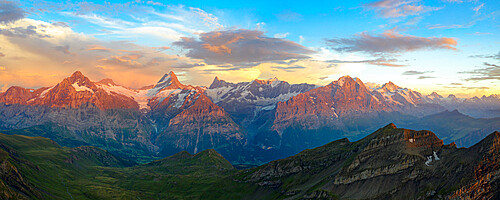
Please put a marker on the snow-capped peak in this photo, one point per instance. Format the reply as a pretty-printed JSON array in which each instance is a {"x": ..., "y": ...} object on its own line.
[
  {"x": 342, "y": 80},
  {"x": 168, "y": 81},
  {"x": 390, "y": 86},
  {"x": 434, "y": 95}
]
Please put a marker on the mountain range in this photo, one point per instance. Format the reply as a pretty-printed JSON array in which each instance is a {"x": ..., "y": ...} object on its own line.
[{"x": 248, "y": 122}]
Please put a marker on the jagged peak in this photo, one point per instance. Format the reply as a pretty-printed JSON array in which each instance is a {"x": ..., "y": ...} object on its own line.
[
  {"x": 169, "y": 81},
  {"x": 390, "y": 86},
  {"x": 170, "y": 76},
  {"x": 79, "y": 78},
  {"x": 435, "y": 95},
  {"x": 390, "y": 126},
  {"x": 218, "y": 83},
  {"x": 77, "y": 74}
]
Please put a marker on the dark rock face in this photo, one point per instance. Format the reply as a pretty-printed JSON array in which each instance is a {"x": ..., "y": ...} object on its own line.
[
  {"x": 123, "y": 131},
  {"x": 391, "y": 163}
]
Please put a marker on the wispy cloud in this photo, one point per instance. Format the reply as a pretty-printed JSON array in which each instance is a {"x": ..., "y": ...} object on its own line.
[
  {"x": 398, "y": 8},
  {"x": 488, "y": 72},
  {"x": 288, "y": 15},
  {"x": 289, "y": 68},
  {"x": 413, "y": 72},
  {"x": 477, "y": 8},
  {"x": 281, "y": 35},
  {"x": 426, "y": 77},
  {"x": 390, "y": 42},
  {"x": 379, "y": 61},
  {"x": 493, "y": 56}
]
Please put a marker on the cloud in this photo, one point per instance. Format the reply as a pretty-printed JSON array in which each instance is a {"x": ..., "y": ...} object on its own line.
[
  {"x": 281, "y": 35},
  {"x": 96, "y": 47},
  {"x": 155, "y": 3},
  {"x": 488, "y": 72},
  {"x": 379, "y": 61},
  {"x": 289, "y": 68},
  {"x": 23, "y": 31},
  {"x": 493, "y": 56},
  {"x": 477, "y": 8},
  {"x": 163, "y": 48},
  {"x": 10, "y": 12},
  {"x": 412, "y": 72},
  {"x": 479, "y": 33},
  {"x": 288, "y": 15},
  {"x": 64, "y": 49},
  {"x": 182, "y": 65},
  {"x": 241, "y": 47},
  {"x": 35, "y": 61},
  {"x": 209, "y": 19},
  {"x": 168, "y": 23},
  {"x": 398, "y": 8},
  {"x": 439, "y": 26},
  {"x": 390, "y": 42},
  {"x": 425, "y": 77},
  {"x": 476, "y": 88},
  {"x": 126, "y": 60}
]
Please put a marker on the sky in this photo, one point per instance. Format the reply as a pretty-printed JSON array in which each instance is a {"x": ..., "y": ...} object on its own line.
[{"x": 447, "y": 46}]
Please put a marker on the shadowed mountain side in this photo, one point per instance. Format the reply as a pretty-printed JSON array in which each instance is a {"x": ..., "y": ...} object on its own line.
[{"x": 391, "y": 163}]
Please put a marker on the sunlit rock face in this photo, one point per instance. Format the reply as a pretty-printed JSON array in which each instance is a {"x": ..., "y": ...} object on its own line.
[{"x": 152, "y": 121}]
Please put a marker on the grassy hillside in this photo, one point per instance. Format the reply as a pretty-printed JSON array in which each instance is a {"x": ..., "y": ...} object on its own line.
[{"x": 38, "y": 168}]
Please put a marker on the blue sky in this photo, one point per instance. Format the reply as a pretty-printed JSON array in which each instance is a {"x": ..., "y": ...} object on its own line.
[{"x": 447, "y": 46}]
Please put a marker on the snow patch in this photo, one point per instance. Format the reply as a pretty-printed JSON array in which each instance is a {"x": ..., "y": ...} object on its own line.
[
  {"x": 81, "y": 88},
  {"x": 432, "y": 157},
  {"x": 435, "y": 156}
]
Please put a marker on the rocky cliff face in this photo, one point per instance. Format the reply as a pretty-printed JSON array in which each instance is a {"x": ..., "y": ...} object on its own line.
[
  {"x": 73, "y": 91},
  {"x": 247, "y": 101},
  {"x": 203, "y": 125},
  {"x": 324, "y": 105},
  {"x": 165, "y": 118},
  {"x": 391, "y": 163}
]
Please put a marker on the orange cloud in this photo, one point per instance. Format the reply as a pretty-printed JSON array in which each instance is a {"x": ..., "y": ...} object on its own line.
[
  {"x": 96, "y": 47},
  {"x": 390, "y": 42}
]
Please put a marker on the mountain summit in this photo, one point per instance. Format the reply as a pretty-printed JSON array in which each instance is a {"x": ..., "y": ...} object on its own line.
[{"x": 169, "y": 81}]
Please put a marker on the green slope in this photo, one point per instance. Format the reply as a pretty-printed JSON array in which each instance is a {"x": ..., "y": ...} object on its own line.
[{"x": 49, "y": 171}]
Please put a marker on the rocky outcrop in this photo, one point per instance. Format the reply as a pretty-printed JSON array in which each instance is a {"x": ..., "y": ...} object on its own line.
[{"x": 391, "y": 163}]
